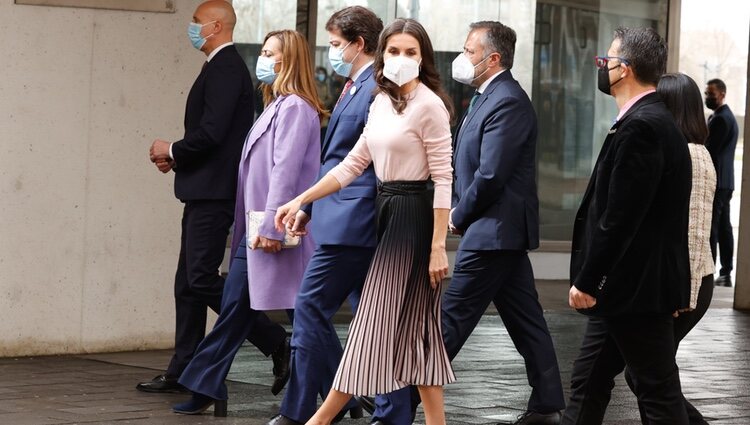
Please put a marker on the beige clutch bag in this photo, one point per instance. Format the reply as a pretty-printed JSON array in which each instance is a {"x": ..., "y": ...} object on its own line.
[{"x": 255, "y": 219}]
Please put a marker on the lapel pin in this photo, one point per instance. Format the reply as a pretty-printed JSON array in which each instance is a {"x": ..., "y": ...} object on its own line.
[{"x": 352, "y": 90}]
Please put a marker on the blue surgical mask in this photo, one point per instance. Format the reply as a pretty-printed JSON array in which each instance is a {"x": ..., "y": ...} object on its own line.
[
  {"x": 194, "y": 33},
  {"x": 264, "y": 70},
  {"x": 336, "y": 58}
]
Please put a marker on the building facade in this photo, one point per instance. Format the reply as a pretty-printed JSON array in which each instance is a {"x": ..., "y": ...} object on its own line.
[{"x": 90, "y": 228}]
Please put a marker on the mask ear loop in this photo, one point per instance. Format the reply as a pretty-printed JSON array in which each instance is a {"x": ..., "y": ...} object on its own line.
[
  {"x": 355, "y": 56},
  {"x": 621, "y": 76},
  {"x": 209, "y": 23},
  {"x": 479, "y": 63}
]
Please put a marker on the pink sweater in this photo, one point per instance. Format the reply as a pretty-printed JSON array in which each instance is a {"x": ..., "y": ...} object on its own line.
[{"x": 412, "y": 146}]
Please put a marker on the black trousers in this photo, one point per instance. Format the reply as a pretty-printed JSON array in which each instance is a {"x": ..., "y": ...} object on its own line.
[
  {"x": 198, "y": 285},
  {"x": 646, "y": 345},
  {"x": 721, "y": 231},
  {"x": 682, "y": 326},
  {"x": 506, "y": 279}
]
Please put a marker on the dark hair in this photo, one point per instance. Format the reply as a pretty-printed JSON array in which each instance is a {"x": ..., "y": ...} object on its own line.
[
  {"x": 497, "y": 38},
  {"x": 357, "y": 21},
  {"x": 719, "y": 84},
  {"x": 428, "y": 73},
  {"x": 645, "y": 51},
  {"x": 683, "y": 98}
]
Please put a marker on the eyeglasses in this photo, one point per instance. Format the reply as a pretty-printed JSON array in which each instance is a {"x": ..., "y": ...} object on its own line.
[{"x": 602, "y": 61}]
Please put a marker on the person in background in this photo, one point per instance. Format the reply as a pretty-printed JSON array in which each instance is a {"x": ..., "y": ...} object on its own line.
[
  {"x": 629, "y": 266},
  {"x": 721, "y": 143},
  {"x": 343, "y": 224},
  {"x": 682, "y": 97},
  {"x": 281, "y": 156},
  {"x": 395, "y": 338},
  {"x": 324, "y": 87},
  {"x": 218, "y": 115}
]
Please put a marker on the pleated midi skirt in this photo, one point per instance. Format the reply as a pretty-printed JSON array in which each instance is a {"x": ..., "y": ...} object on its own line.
[{"x": 395, "y": 338}]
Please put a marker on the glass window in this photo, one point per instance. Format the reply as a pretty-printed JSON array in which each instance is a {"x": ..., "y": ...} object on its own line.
[
  {"x": 556, "y": 43},
  {"x": 256, "y": 18},
  {"x": 574, "y": 116}
]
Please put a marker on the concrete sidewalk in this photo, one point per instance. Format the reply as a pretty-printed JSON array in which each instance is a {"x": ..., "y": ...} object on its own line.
[{"x": 100, "y": 389}]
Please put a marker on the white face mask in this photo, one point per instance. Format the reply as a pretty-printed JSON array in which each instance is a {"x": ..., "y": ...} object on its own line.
[
  {"x": 463, "y": 70},
  {"x": 400, "y": 69}
]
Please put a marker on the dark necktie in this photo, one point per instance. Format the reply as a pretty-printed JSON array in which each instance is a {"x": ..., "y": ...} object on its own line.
[
  {"x": 474, "y": 100},
  {"x": 347, "y": 86}
]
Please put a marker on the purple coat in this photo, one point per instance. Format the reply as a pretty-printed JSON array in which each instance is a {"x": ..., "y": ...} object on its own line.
[{"x": 280, "y": 160}]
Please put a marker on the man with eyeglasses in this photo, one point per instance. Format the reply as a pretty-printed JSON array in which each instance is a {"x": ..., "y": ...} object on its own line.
[{"x": 629, "y": 267}]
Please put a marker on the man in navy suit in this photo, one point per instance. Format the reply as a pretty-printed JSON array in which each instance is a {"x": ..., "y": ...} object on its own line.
[
  {"x": 495, "y": 208},
  {"x": 343, "y": 224},
  {"x": 218, "y": 116},
  {"x": 721, "y": 143}
]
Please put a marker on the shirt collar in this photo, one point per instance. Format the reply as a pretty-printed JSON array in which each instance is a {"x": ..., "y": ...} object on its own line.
[
  {"x": 632, "y": 102},
  {"x": 361, "y": 70},
  {"x": 485, "y": 84},
  {"x": 216, "y": 50}
]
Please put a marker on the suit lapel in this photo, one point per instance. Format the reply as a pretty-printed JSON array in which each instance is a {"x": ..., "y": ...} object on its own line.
[
  {"x": 333, "y": 122},
  {"x": 469, "y": 116},
  {"x": 646, "y": 100},
  {"x": 262, "y": 123},
  {"x": 605, "y": 148}
]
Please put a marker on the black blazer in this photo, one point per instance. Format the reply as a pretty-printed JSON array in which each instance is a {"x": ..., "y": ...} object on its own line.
[
  {"x": 721, "y": 143},
  {"x": 630, "y": 236},
  {"x": 494, "y": 168},
  {"x": 218, "y": 116}
]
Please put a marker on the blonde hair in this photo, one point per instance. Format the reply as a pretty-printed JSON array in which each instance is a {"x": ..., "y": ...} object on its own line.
[{"x": 296, "y": 73}]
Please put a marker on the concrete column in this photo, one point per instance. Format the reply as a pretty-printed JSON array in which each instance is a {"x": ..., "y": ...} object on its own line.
[
  {"x": 673, "y": 35},
  {"x": 742, "y": 286}
]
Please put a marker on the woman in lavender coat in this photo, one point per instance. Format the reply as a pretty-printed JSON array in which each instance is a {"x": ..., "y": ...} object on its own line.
[{"x": 280, "y": 158}]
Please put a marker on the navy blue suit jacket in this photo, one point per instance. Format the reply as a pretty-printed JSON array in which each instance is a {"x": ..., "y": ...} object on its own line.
[
  {"x": 494, "y": 190},
  {"x": 721, "y": 143},
  {"x": 347, "y": 217},
  {"x": 218, "y": 116}
]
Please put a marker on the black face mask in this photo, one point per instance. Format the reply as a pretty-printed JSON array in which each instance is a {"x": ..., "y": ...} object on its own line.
[
  {"x": 603, "y": 80},
  {"x": 712, "y": 103}
]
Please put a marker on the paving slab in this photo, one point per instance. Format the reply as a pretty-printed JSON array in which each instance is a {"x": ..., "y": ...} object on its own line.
[{"x": 100, "y": 388}]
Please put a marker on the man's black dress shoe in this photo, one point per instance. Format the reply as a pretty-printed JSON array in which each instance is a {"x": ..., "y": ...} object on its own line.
[
  {"x": 367, "y": 403},
  {"x": 282, "y": 420},
  {"x": 724, "y": 280},
  {"x": 378, "y": 423},
  {"x": 161, "y": 384},
  {"x": 534, "y": 418},
  {"x": 199, "y": 403},
  {"x": 281, "y": 358}
]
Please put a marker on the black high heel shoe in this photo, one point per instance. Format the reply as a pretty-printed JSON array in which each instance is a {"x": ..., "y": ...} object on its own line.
[
  {"x": 354, "y": 413},
  {"x": 199, "y": 403}
]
